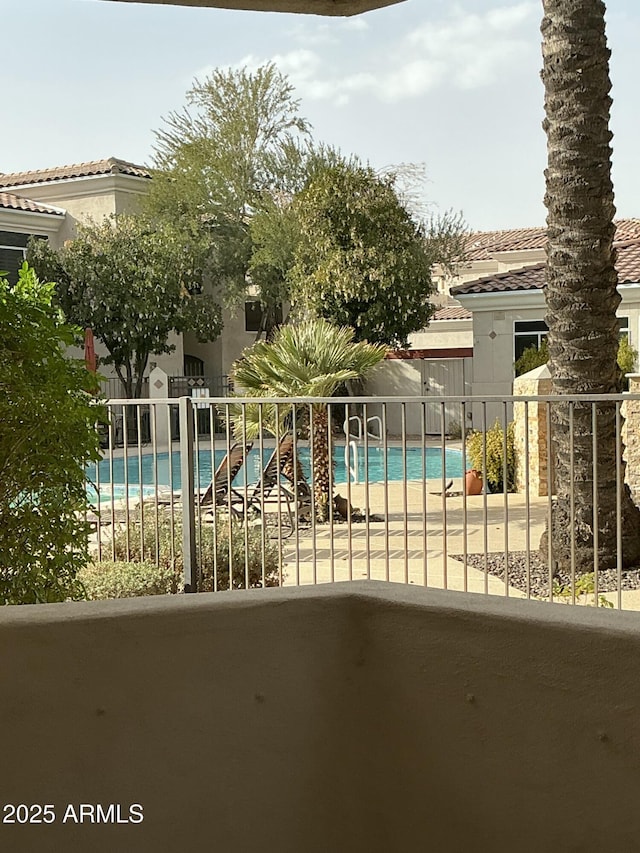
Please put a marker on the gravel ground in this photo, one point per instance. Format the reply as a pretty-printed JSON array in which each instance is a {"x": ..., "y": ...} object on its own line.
[{"x": 539, "y": 575}]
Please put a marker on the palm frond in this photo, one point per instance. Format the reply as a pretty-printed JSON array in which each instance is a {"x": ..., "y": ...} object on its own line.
[{"x": 308, "y": 360}]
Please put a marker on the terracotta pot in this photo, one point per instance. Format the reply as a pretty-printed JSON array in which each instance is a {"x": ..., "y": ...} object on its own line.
[{"x": 473, "y": 482}]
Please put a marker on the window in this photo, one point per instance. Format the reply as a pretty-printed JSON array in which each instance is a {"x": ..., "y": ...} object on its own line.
[
  {"x": 528, "y": 333},
  {"x": 13, "y": 249},
  {"x": 253, "y": 316},
  {"x": 624, "y": 327},
  {"x": 193, "y": 366},
  {"x": 531, "y": 333}
]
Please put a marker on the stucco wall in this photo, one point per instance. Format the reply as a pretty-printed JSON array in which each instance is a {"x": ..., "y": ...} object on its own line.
[
  {"x": 88, "y": 199},
  {"x": 359, "y": 717},
  {"x": 429, "y": 379},
  {"x": 220, "y": 354},
  {"x": 493, "y": 335},
  {"x": 444, "y": 333},
  {"x": 493, "y": 352},
  {"x": 234, "y": 338}
]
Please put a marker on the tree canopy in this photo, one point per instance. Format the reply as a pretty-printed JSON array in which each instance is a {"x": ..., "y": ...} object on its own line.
[
  {"x": 293, "y": 220},
  {"x": 362, "y": 260},
  {"x": 239, "y": 140},
  {"x": 133, "y": 282}
]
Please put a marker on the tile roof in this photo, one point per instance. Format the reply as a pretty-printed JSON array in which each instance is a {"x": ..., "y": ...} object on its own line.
[
  {"x": 9, "y": 201},
  {"x": 452, "y": 312},
  {"x": 112, "y": 166},
  {"x": 483, "y": 245},
  {"x": 532, "y": 277}
]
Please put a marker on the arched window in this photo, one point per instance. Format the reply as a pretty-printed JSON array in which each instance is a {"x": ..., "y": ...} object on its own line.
[{"x": 193, "y": 366}]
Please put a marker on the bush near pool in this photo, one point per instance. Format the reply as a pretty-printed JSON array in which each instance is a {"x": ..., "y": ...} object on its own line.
[{"x": 130, "y": 574}]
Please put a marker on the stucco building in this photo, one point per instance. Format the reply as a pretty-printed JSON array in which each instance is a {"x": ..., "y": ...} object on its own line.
[
  {"x": 501, "y": 288},
  {"x": 51, "y": 203}
]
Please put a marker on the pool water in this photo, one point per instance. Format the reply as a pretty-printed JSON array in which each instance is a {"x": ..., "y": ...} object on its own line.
[{"x": 415, "y": 463}]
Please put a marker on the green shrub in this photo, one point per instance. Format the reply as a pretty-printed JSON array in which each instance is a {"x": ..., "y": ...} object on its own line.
[
  {"x": 584, "y": 590},
  {"x": 127, "y": 580},
  {"x": 47, "y": 437},
  {"x": 495, "y": 456},
  {"x": 627, "y": 360},
  {"x": 210, "y": 561},
  {"x": 532, "y": 357}
]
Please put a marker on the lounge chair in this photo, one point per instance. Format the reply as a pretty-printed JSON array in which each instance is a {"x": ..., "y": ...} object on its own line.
[
  {"x": 219, "y": 491},
  {"x": 277, "y": 487}
]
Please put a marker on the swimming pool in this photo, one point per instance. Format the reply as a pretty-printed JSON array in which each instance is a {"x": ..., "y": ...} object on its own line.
[{"x": 415, "y": 463}]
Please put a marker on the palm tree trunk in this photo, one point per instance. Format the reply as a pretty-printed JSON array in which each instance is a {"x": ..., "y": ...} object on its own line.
[
  {"x": 320, "y": 462},
  {"x": 581, "y": 293}
]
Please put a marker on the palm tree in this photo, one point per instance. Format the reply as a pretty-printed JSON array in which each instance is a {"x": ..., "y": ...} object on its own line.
[
  {"x": 581, "y": 292},
  {"x": 312, "y": 360}
]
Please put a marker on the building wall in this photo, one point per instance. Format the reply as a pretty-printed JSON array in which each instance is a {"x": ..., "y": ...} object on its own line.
[
  {"x": 429, "y": 379},
  {"x": 493, "y": 353},
  {"x": 219, "y": 355},
  {"x": 450, "y": 334},
  {"x": 91, "y": 199},
  {"x": 363, "y": 717},
  {"x": 493, "y": 333},
  {"x": 88, "y": 199},
  {"x": 234, "y": 339}
]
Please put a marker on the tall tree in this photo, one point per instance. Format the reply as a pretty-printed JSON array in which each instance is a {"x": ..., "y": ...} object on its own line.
[
  {"x": 311, "y": 359},
  {"x": 581, "y": 292},
  {"x": 133, "y": 281},
  {"x": 362, "y": 260},
  {"x": 238, "y": 140},
  {"x": 276, "y": 229}
]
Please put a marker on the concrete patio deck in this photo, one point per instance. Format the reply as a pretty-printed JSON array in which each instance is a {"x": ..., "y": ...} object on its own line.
[{"x": 416, "y": 547}]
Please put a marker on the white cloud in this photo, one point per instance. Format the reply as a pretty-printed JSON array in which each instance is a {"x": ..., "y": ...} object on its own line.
[
  {"x": 327, "y": 32},
  {"x": 465, "y": 50},
  {"x": 356, "y": 23},
  {"x": 299, "y": 64},
  {"x": 476, "y": 48}
]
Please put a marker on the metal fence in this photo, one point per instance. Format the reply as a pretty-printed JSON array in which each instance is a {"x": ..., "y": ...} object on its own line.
[
  {"x": 201, "y": 388},
  {"x": 254, "y": 503},
  {"x": 113, "y": 388}
]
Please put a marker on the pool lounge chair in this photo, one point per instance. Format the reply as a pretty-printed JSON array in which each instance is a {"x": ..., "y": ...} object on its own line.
[
  {"x": 276, "y": 487},
  {"x": 219, "y": 491}
]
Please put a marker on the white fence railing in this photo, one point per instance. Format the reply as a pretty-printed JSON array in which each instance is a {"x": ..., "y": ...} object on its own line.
[{"x": 246, "y": 503}]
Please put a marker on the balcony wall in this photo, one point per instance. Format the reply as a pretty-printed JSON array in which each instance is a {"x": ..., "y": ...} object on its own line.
[{"x": 354, "y": 717}]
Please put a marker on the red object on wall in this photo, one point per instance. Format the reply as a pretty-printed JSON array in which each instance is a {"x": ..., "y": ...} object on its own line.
[{"x": 89, "y": 351}]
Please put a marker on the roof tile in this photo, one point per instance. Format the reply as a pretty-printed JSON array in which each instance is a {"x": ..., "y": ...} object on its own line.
[
  {"x": 112, "y": 166},
  {"x": 484, "y": 245},
  {"x": 9, "y": 201},
  {"x": 452, "y": 312},
  {"x": 532, "y": 277}
]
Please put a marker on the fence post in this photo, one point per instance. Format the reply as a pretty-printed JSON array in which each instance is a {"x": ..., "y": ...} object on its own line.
[
  {"x": 187, "y": 478},
  {"x": 159, "y": 390}
]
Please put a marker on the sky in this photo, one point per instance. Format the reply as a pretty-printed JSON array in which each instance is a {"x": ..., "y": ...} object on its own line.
[{"x": 453, "y": 85}]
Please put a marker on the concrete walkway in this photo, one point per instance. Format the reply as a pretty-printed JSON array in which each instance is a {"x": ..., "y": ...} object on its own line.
[{"x": 417, "y": 536}]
